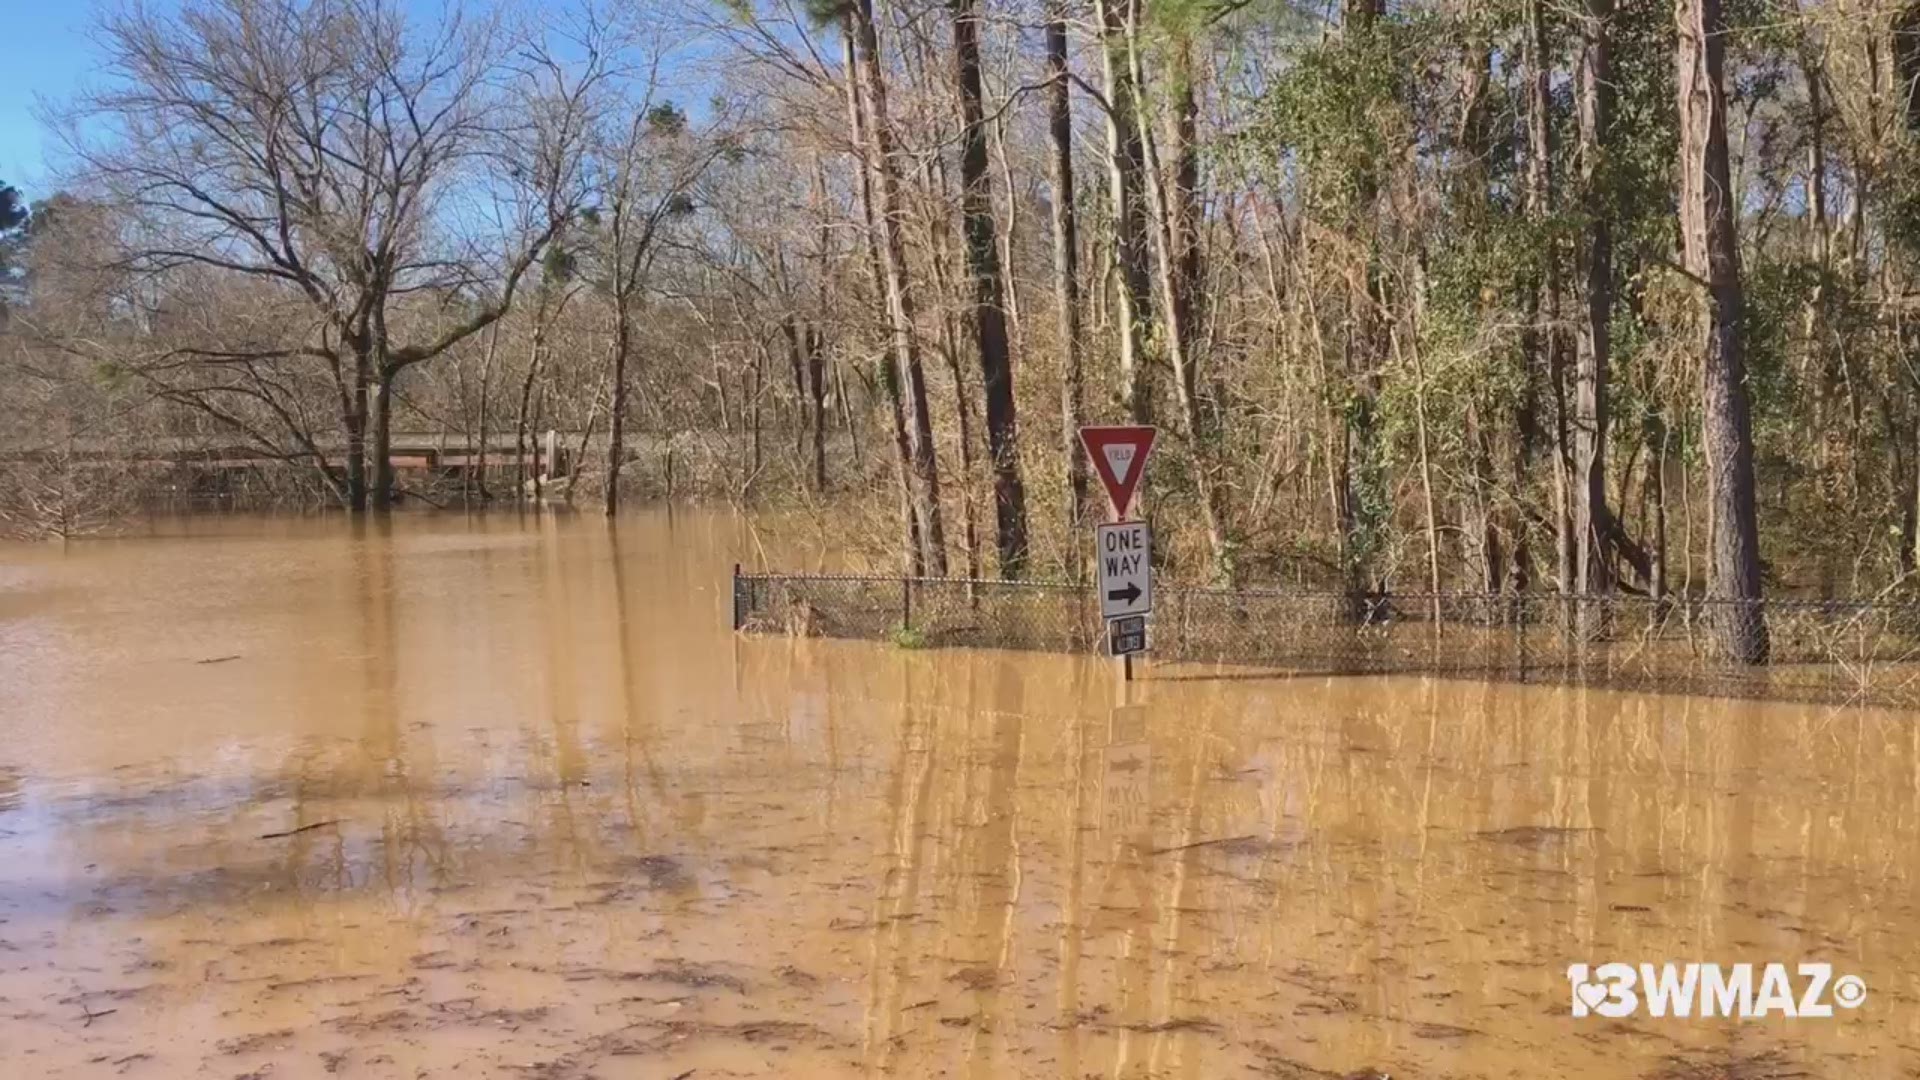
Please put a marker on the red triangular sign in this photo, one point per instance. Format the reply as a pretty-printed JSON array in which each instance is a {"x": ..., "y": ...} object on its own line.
[{"x": 1119, "y": 455}]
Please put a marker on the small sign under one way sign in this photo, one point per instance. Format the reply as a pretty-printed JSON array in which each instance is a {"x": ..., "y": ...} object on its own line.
[
  {"x": 1124, "y": 552},
  {"x": 1127, "y": 635}
]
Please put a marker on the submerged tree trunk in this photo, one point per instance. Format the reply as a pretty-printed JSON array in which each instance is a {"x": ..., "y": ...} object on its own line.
[
  {"x": 989, "y": 297},
  {"x": 354, "y": 418},
  {"x": 525, "y": 478},
  {"x": 1712, "y": 256},
  {"x": 617, "y": 410},
  {"x": 477, "y": 464},
  {"x": 380, "y": 440},
  {"x": 1066, "y": 275}
]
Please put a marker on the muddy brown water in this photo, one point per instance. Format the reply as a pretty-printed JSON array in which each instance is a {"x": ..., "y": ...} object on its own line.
[{"x": 503, "y": 797}]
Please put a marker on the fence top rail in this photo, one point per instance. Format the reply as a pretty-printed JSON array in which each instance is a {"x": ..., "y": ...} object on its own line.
[{"x": 1824, "y": 606}]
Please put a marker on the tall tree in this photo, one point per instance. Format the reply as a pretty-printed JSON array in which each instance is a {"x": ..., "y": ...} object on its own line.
[
  {"x": 307, "y": 149},
  {"x": 1175, "y": 199},
  {"x": 651, "y": 163},
  {"x": 1126, "y": 168},
  {"x": 888, "y": 166},
  {"x": 891, "y": 376},
  {"x": 989, "y": 292},
  {"x": 1593, "y": 567},
  {"x": 1712, "y": 257},
  {"x": 1066, "y": 263},
  {"x": 1540, "y": 340}
]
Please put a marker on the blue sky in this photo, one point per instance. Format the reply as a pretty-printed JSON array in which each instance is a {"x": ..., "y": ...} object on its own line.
[{"x": 47, "y": 52}]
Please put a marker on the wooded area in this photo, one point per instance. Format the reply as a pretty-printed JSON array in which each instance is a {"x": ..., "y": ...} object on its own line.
[{"x": 1479, "y": 294}]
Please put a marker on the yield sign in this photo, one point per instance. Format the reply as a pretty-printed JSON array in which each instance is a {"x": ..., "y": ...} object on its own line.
[{"x": 1119, "y": 455}]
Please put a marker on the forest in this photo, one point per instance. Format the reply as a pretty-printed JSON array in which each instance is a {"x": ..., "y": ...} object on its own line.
[{"x": 1479, "y": 295}]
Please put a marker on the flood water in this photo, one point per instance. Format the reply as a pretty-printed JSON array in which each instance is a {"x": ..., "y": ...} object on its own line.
[{"x": 504, "y": 797}]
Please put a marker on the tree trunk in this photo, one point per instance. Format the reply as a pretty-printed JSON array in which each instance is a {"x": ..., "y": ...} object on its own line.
[
  {"x": 1471, "y": 198},
  {"x": 946, "y": 271},
  {"x": 889, "y": 372},
  {"x": 801, "y": 419},
  {"x": 1712, "y": 255},
  {"x": 617, "y": 409},
  {"x": 1066, "y": 277},
  {"x": 1009, "y": 240},
  {"x": 1657, "y": 483},
  {"x": 817, "y": 388},
  {"x": 1126, "y": 166},
  {"x": 1540, "y": 340},
  {"x": 989, "y": 292},
  {"x": 1479, "y": 449},
  {"x": 477, "y": 463},
  {"x": 817, "y": 373},
  {"x": 536, "y": 352},
  {"x": 1177, "y": 245},
  {"x": 925, "y": 480},
  {"x": 1363, "y": 498},
  {"x": 356, "y": 424},
  {"x": 380, "y": 440},
  {"x": 1593, "y": 563}
]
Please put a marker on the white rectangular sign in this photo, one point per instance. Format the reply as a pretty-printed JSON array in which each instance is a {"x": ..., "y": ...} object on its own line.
[{"x": 1124, "y": 552}]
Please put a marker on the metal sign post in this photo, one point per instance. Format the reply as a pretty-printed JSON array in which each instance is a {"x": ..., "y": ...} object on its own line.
[{"x": 1123, "y": 549}]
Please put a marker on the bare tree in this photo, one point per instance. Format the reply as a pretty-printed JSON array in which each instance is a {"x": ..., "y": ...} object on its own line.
[
  {"x": 989, "y": 297},
  {"x": 651, "y": 163},
  {"x": 885, "y": 162},
  {"x": 1066, "y": 260},
  {"x": 1126, "y": 167},
  {"x": 325, "y": 151}
]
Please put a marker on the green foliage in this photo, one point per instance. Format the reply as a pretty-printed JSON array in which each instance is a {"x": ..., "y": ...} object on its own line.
[
  {"x": 560, "y": 263},
  {"x": 1336, "y": 113},
  {"x": 1776, "y": 294},
  {"x": 111, "y": 375},
  {"x": 666, "y": 120},
  {"x": 825, "y": 13},
  {"x": 13, "y": 208},
  {"x": 13, "y": 226},
  {"x": 1901, "y": 196},
  {"x": 906, "y": 637}
]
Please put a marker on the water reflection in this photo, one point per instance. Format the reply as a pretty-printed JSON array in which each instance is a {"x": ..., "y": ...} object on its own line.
[{"x": 568, "y": 823}]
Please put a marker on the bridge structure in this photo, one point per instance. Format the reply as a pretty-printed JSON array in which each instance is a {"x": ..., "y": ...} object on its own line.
[{"x": 213, "y": 465}]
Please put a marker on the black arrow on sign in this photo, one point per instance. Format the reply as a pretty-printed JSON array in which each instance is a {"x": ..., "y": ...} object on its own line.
[{"x": 1127, "y": 595}]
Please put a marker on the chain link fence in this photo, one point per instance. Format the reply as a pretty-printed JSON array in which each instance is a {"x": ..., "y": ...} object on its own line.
[{"x": 1864, "y": 652}]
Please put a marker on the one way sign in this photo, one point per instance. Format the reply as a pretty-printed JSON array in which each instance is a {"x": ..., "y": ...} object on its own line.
[{"x": 1125, "y": 555}]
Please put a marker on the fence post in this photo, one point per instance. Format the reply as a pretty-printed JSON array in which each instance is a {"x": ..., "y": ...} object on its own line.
[
  {"x": 1519, "y": 610},
  {"x": 906, "y": 603},
  {"x": 739, "y": 599}
]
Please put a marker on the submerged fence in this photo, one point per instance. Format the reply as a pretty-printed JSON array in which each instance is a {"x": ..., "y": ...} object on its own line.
[{"x": 1819, "y": 651}]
